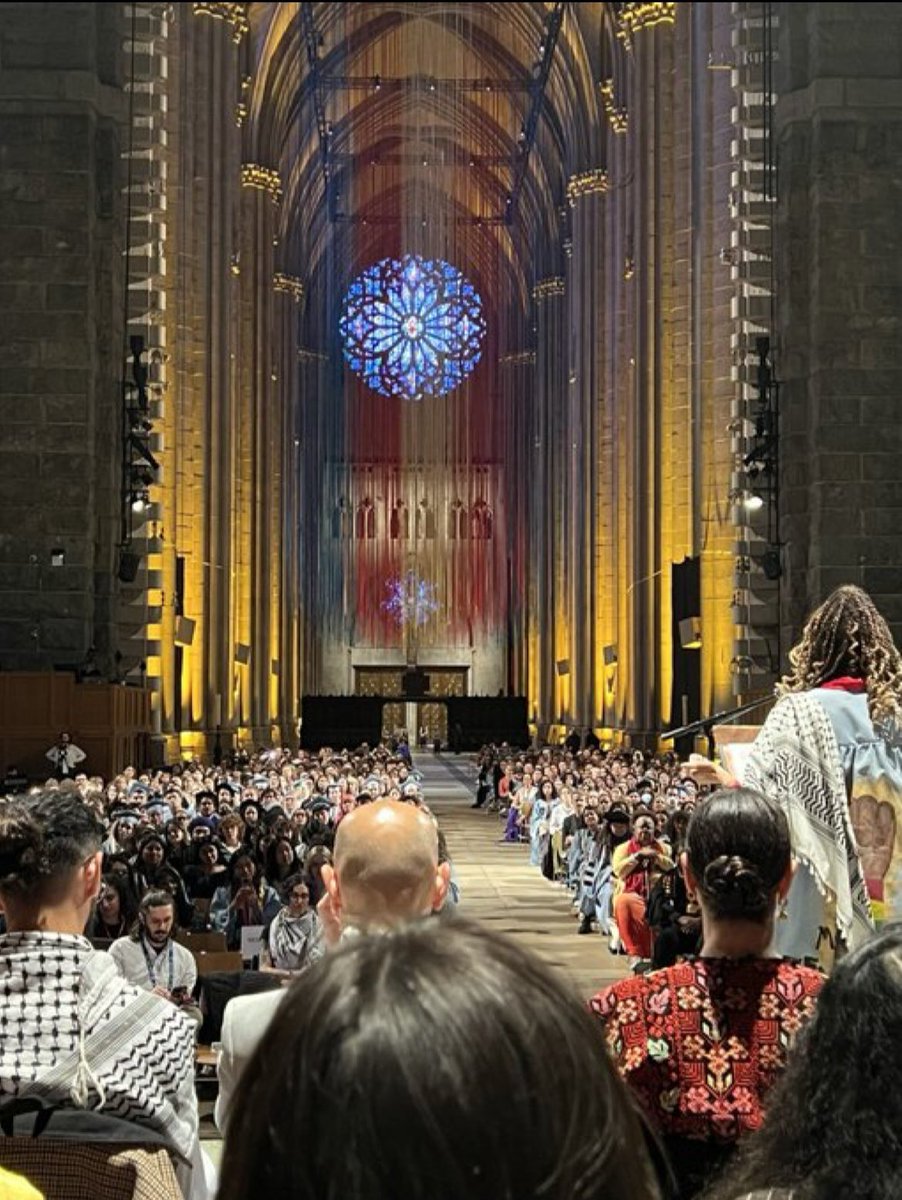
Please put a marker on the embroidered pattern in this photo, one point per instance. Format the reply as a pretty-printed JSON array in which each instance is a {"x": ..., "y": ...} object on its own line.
[{"x": 702, "y": 1042}]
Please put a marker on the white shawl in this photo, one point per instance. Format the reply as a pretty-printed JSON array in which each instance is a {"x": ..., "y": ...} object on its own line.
[{"x": 796, "y": 761}]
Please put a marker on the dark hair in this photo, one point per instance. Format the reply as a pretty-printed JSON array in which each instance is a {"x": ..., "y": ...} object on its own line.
[
  {"x": 148, "y": 839},
  {"x": 234, "y": 864},
  {"x": 271, "y": 867},
  {"x": 848, "y": 636},
  {"x": 834, "y": 1123},
  {"x": 158, "y": 898},
  {"x": 402, "y": 1050},
  {"x": 128, "y": 904},
  {"x": 42, "y": 838},
  {"x": 287, "y": 886},
  {"x": 739, "y": 850}
]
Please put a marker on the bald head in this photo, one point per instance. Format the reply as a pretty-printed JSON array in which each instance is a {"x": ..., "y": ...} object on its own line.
[{"x": 386, "y": 867}]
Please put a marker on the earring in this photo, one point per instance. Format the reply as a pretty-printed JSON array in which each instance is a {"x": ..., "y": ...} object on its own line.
[{"x": 784, "y": 912}]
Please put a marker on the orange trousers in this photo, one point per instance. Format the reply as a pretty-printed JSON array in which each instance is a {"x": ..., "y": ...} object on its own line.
[{"x": 629, "y": 913}]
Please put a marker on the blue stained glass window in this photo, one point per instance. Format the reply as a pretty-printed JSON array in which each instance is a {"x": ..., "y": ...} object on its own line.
[{"x": 412, "y": 327}]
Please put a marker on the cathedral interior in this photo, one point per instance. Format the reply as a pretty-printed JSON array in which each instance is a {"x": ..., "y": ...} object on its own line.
[{"x": 550, "y": 349}]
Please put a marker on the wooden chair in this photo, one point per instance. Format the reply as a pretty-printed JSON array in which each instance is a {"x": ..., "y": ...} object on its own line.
[
  {"x": 200, "y": 942},
  {"x": 209, "y": 961}
]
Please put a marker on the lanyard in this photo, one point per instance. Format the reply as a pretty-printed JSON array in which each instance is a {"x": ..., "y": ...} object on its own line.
[{"x": 152, "y": 966}]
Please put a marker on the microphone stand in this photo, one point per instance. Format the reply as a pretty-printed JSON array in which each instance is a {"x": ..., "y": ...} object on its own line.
[{"x": 706, "y": 724}]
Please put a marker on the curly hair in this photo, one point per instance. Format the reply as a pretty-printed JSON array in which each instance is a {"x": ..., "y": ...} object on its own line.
[
  {"x": 834, "y": 1123},
  {"x": 848, "y": 636}
]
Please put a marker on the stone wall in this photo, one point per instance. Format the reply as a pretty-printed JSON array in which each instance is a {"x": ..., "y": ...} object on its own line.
[
  {"x": 61, "y": 102},
  {"x": 839, "y": 274}
]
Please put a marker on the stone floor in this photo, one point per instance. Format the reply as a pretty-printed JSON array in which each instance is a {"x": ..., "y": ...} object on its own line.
[{"x": 500, "y": 888}]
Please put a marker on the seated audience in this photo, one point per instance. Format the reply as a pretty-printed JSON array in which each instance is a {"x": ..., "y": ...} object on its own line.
[
  {"x": 636, "y": 866},
  {"x": 74, "y": 1033},
  {"x": 294, "y": 939},
  {"x": 231, "y": 833},
  {"x": 701, "y": 1043},
  {"x": 150, "y": 871},
  {"x": 385, "y": 1070},
  {"x": 150, "y": 958},
  {"x": 247, "y": 900},
  {"x": 674, "y": 920},
  {"x": 116, "y": 910},
  {"x": 281, "y": 862},
  {"x": 833, "y": 1127},
  {"x": 202, "y": 881}
]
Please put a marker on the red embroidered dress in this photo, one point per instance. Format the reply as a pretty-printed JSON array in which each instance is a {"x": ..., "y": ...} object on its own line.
[{"x": 702, "y": 1042}]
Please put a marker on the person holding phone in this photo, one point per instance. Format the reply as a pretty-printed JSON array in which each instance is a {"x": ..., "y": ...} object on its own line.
[{"x": 149, "y": 957}]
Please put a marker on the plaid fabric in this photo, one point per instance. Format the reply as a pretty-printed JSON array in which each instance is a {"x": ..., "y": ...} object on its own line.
[{"x": 65, "y": 1171}]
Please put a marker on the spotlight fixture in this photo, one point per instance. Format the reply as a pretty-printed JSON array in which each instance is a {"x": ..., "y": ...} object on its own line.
[{"x": 753, "y": 501}]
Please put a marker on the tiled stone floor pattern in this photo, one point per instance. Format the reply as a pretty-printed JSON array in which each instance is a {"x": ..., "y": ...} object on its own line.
[{"x": 500, "y": 888}]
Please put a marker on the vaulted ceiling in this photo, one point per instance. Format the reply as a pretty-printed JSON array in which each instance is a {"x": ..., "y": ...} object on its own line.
[{"x": 442, "y": 127}]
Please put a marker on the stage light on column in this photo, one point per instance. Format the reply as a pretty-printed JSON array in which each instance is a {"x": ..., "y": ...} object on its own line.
[{"x": 753, "y": 501}]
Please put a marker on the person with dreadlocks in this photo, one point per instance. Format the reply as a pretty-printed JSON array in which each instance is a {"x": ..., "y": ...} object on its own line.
[{"x": 830, "y": 752}]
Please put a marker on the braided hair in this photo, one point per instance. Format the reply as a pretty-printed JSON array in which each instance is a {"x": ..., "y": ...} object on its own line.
[{"x": 848, "y": 636}]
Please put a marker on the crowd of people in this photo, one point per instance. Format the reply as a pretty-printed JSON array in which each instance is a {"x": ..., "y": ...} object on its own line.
[
  {"x": 609, "y": 826},
  {"x": 416, "y": 1054}
]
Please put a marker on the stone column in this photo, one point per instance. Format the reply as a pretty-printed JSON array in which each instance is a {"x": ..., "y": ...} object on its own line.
[
  {"x": 260, "y": 488},
  {"x": 205, "y": 176},
  {"x": 547, "y": 556},
  {"x": 289, "y": 294},
  {"x": 586, "y": 197}
]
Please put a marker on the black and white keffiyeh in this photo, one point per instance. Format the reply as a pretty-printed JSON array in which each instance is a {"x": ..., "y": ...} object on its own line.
[
  {"x": 295, "y": 942},
  {"x": 74, "y": 1033},
  {"x": 796, "y": 761}
]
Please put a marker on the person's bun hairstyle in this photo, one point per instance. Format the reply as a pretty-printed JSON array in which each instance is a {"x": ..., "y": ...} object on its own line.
[
  {"x": 736, "y": 887},
  {"x": 739, "y": 852}
]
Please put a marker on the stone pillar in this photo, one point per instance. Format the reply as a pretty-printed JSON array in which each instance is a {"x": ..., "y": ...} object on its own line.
[
  {"x": 547, "y": 555},
  {"x": 61, "y": 311},
  {"x": 289, "y": 294},
  {"x": 586, "y": 197},
  {"x": 260, "y": 488},
  {"x": 838, "y": 131}
]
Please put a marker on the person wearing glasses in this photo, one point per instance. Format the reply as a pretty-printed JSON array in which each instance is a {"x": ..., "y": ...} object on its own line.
[{"x": 294, "y": 938}]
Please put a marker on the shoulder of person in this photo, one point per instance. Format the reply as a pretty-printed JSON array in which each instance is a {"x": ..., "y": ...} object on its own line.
[
  {"x": 182, "y": 952},
  {"x": 610, "y": 999},
  {"x": 117, "y": 948},
  {"x": 811, "y": 979},
  {"x": 251, "y": 1012}
]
